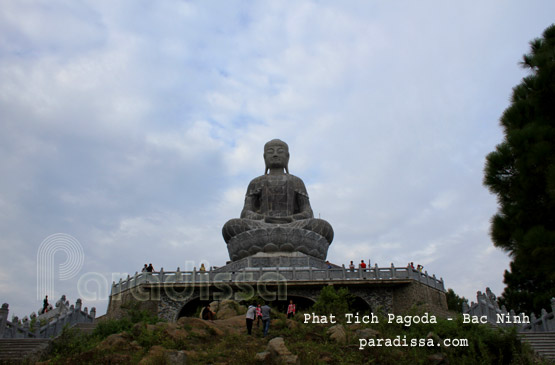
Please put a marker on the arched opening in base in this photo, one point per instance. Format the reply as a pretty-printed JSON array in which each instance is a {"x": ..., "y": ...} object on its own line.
[
  {"x": 301, "y": 303},
  {"x": 360, "y": 305},
  {"x": 192, "y": 308}
]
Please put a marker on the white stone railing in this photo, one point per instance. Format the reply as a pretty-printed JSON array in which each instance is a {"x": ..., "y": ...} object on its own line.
[
  {"x": 24, "y": 329},
  {"x": 486, "y": 308},
  {"x": 287, "y": 274}
]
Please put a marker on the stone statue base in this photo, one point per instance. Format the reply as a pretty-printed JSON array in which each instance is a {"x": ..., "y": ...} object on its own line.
[
  {"x": 270, "y": 260},
  {"x": 278, "y": 239}
]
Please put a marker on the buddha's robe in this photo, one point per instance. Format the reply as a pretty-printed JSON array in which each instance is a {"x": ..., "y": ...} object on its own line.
[{"x": 277, "y": 200}]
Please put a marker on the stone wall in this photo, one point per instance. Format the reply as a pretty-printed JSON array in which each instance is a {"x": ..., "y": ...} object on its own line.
[
  {"x": 378, "y": 298},
  {"x": 422, "y": 296},
  {"x": 119, "y": 304},
  {"x": 389, "y": 296}
]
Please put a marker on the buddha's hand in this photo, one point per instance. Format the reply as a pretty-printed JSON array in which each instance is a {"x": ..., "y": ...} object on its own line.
[
  {"x": 278, "y": 220},
  {"x": 300, "y": 216},
  {"x": 253, "y": 216}
]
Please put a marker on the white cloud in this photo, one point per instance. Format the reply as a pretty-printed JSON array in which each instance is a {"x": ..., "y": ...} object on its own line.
[{"x": 137, "y": 127}]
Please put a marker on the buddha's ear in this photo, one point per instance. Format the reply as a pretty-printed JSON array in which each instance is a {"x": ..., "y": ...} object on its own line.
[
  {"x": 287, "y": 163},
  {"x": 266, "y": 168}
]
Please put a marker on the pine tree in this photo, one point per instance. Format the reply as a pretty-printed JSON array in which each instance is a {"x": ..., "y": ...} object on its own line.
[
  {"x": 521, "y": 172},
  {"x": 454, "y": 302}
]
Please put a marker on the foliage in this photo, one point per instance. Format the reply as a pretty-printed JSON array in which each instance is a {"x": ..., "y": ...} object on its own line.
[
  {"x": 36, "y": 323},
  {"x": 310, "y": 342},
  {"x": 110, "y": 326},
  {"x": 521, "y": 172},
  {"x": 332, "y": 301},
  {"x": 72, "y": 342},
  {"x": 454, "y": 302},
  {"x": 134, "y": 315},
  {"x": 69, "y": 342},
  {"x": 485, "y": 344},
  {"x": 140, "y": 332},
  {"x": 254, "y": 300}
]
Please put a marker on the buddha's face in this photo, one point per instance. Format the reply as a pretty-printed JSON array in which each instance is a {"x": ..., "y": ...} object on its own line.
[{"x": 276, "y": 156}]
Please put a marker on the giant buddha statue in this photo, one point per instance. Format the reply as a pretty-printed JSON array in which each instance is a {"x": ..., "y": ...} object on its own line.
[{"x": 277, "y": 216}]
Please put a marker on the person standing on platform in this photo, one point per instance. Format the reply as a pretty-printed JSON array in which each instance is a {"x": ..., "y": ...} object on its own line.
[
  {"x": 45, "y": 305},
  {"x": 258, "y": 316},
  {"x": 251, "y": 312},
  {"x": 291, "y": 309},
  {"x": 265, "y": 319},
  {"x": 207, "y": 313},
  {"x": 362, "y": 265}
]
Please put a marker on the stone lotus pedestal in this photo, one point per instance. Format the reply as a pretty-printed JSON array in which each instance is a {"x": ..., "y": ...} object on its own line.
[
  {"x": 273, "y": 260},
  {"x": 278, "y": 239}
]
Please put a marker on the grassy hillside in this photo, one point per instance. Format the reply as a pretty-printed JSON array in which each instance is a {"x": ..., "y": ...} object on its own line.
[{"x": 142, "y": 339}]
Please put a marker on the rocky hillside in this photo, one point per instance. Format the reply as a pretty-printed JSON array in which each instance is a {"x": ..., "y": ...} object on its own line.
[{"x": 225, "y": 341}]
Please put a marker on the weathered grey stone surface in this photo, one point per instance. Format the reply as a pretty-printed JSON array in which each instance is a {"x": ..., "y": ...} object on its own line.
[
  {"x": 262, "y": 357},
  {"x": 337, "y": 333},
  {"x": 280, "y": 352},
  {"x": 379, "y": 299},
  {"x": 366, "y": 333},
  {"x": 276, "y": 259},
  {"x": 277, "y": 216},
  {"x": 227, "y": 309}
]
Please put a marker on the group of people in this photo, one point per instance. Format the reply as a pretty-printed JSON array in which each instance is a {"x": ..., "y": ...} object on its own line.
[
  {"x": 419, "y": 267},
  {"x": 148, "y": 268},
  {"x": 361, "y": 266},
  {"x": 261, "y": 313}
]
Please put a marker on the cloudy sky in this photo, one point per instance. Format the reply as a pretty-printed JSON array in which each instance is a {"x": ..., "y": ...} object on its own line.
[{"x": 130, "y": 130}]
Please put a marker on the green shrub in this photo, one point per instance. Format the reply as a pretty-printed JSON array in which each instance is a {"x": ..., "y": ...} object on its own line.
[
  {"x": 454, "y": 302},
  {"x": 332, "y": 301},
  {"x": 71, "y": 341},
  {"x": 108, "y": 327}
]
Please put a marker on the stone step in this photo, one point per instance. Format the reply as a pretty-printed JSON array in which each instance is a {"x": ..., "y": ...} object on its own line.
[
  {"x": 21, "y": 348},
  {"x": 543, "y": 343},
  {"x": 86, "y": 328},
  {"x": 538, "y": 334}
]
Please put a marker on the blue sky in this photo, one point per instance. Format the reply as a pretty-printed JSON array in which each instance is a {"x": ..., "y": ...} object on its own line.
[{"x": 135, "y": 126}]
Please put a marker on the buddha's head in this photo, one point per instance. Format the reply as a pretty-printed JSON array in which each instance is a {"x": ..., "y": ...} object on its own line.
[{"x": 276, "y": 155}]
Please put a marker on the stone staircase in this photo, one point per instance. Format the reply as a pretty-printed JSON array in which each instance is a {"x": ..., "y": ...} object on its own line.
[
  {"x": 543, "y": 343},
  {"x": 85, "y": 328},
  {"x": 17, "y": 350},
  {"x": 13, "y": 351}
]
